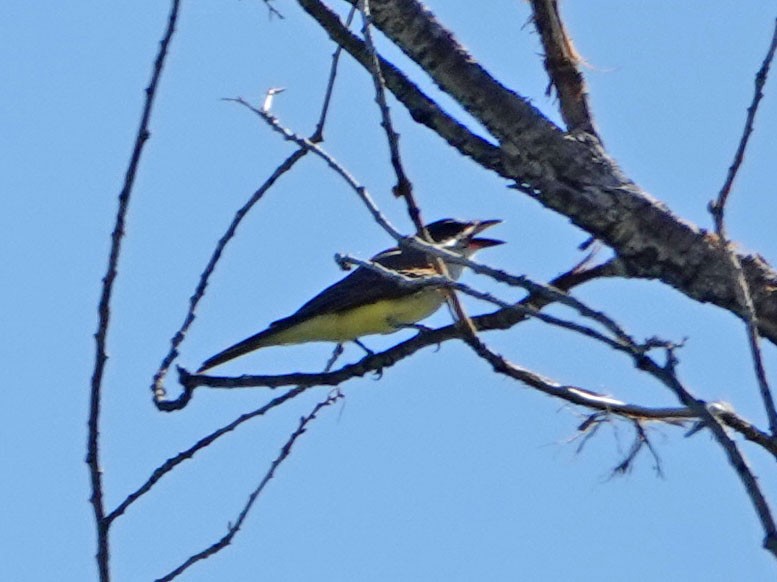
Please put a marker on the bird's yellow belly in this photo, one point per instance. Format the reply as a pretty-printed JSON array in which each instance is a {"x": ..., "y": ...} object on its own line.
[{"x": 376, "y": 318}]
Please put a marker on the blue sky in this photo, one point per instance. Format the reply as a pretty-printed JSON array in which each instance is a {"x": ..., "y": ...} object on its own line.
[{"x": 440, "y": 470}]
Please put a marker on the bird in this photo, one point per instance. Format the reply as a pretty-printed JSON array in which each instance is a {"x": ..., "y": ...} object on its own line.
[{"x": 366, "y": 302}]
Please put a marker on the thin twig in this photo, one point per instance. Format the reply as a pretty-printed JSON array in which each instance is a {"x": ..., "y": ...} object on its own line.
[
  {"x": 419, "y": 105},
  {"x": 104, "y": 309},
  {"x": 157, "y": 384},
  {"x": 226, "y": 539},
  {"x": 736, "y": 460},
  {"x": 318, "y": 133},
  {"x": 695, "y": 407},
  {"x": 403, "y": 187},
  {"x": 641, "y": 440},
  {"x": 302, "y": 142},
  {"x": 501, "y": 319},
  {"x": 419, "y": 244},
  {"x": 272, "y": 10},
  {"x": 717, "y": 209},
  {"x": 176, "y": 460}
]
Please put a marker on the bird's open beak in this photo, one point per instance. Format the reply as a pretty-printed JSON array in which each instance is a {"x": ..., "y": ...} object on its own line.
[{"x": 482, "y": 243}]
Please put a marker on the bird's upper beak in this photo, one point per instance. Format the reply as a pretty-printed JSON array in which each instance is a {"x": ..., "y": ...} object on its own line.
[{"x": 481, "y": 242}]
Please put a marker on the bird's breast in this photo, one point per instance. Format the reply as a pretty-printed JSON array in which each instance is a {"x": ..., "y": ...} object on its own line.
[{"x": 380, "y": 317}]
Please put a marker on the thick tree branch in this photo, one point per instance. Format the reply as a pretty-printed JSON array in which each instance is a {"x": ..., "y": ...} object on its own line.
[
  {"x": 575, "y": 177},
  {"x": 561, "y": 60},
  {"x": 419, "y": 105}
]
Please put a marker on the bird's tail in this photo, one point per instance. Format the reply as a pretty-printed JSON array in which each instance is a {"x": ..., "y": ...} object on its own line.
[{"x": 256, "y": 341}]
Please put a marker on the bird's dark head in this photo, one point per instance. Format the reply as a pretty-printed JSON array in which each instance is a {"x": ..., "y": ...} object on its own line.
[{"x": 462, "y": 234}]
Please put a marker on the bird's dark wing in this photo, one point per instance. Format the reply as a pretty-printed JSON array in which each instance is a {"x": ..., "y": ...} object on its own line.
[{"x": 362, "y": 287}]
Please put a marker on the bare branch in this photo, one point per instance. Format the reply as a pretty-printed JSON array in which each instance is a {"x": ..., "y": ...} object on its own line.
[
  {"x": 717, "y": 209},
  {"x": 360, "y": 190},
  {"x": 640, "y": 441},
  {"x": 736, "y": 460},
  {"x": 420, "y": 106},
  {"x": 561, "y": 60},
  {"x": 318, "y": 133},
  {"x": 696, "y": 407},
  {"x": 753, "y": 340},
  {"x": 403, "y": 187},
  {"x": 575, "y": 394},
  {"x": 176, "y": 460},
  {"x": 575, "y": 176},
  {"x": 272, "y": 11},
  {"x": 226, "y": 539},
  {"x": 104, "y": 309},
  {"x": 157, "y": 384},
  {"x": 749, "y": 431}
]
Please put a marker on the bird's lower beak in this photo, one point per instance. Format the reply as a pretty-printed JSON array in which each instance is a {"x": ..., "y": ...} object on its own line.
[{"x": 482, "y": 243}]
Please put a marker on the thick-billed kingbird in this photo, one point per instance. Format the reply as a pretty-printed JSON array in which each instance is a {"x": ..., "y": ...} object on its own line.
[{"x": 366, "y": 302}]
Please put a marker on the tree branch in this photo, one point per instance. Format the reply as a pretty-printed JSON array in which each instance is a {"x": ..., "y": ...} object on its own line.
[
  {"x": 157, "y": 383},
  {"x": 561, "y": 60},
  {"x": 226, "y": 539},
  {"x": 176, "y": 460},
  {"x": 575, "y": 177},
  {"x": 717, "y": 209},
  {"x": 420, "y": 106},
  {"x": 735, "y": 458},
  {"x": 104, "y": 309},
  {"x": 503, "y": 319}
]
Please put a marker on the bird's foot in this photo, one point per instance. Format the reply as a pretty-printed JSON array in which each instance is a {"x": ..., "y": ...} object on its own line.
[
  {"x": 379, "y": 372},
  {"x": 364, "y": 347}
]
